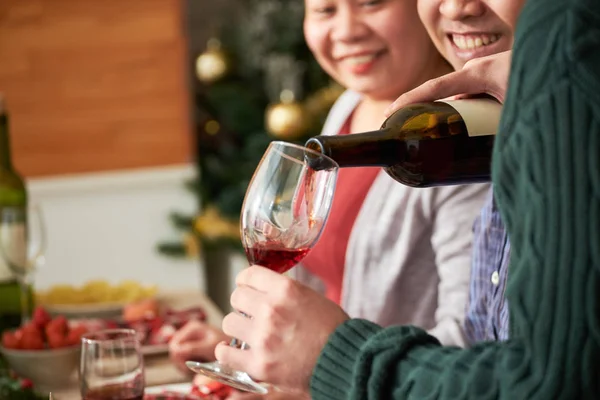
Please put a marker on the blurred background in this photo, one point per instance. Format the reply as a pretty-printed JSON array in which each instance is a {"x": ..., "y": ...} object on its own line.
[{"x": 137, "y": 125}]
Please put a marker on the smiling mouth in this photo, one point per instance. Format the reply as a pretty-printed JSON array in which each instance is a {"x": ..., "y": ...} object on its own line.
[
  {"x": 473, "y": 41},
  {"x": 362, "y": 59}
]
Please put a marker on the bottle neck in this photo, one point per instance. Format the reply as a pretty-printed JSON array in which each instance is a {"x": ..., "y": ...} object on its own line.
[
  {"x": 5, "y": 161},
  {"x": 368, "y": 149}
]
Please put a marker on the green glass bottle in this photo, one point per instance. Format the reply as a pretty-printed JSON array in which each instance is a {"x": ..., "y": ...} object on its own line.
[
  {"x": 12, "y": 194},
  {"x": 422, "y": 145}
]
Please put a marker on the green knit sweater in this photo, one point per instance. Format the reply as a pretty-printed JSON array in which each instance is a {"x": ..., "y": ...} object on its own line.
[{"x": 546, "y": 174}]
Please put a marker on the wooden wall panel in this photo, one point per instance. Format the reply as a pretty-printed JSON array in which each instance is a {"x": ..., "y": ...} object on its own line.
[{"x": 95, "y": 85}]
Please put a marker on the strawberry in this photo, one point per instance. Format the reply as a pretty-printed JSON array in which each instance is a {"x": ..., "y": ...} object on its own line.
[
  {"x": 58, "y": 325},
  {"x": 10, "y": 340},
  {"x": 75, "y": 334},
  {"x": 32, "y": 341},
  {"x": 56, "y": 340},
  {"x": 41, "y": 317},
  {"x": 31, "y": 327},
  {"x": 26, "y": 384}
]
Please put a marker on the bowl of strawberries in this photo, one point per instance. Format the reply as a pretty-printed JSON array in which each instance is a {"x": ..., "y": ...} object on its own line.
[{"x": 45, "y": 350}]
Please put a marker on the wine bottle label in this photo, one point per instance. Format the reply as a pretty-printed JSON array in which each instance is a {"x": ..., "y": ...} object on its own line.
[
  {"x": 13, "y": 252},
  {"x": 481, "y": 116}
]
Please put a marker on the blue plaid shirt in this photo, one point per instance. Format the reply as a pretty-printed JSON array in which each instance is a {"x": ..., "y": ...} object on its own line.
[{"x": 487, "y": 311}]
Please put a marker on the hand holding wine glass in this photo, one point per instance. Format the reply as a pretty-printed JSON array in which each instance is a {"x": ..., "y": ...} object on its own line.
[
  {"x": 284, "y": 212},
  {"x": 290, "y": 326}
]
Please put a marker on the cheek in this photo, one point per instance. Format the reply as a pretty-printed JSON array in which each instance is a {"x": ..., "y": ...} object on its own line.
[
  {"x": 406, "y": 36},
  {"x": 428, "y": 11},
  {"x": 315, "y": 39},
  {"x": 512, "y": 13}
]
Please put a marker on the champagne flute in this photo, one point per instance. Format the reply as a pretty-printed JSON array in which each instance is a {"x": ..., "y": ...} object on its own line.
[
  {"x": 22, "y": 247},
  {"x": 284, "y": 212},
  {"x": 112, "y": 366}
]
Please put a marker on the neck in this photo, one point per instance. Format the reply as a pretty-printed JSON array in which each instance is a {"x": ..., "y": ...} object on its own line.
[
  {"x": 369, "y": 114},
  {"x": 377, "y": 106}
]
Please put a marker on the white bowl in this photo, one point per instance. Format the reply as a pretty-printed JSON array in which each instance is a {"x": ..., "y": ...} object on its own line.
[{"x": 49, "y": 369}]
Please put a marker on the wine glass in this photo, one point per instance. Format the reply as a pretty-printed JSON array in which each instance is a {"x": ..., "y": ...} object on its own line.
[
  {"x": 284, "y": 212},
  {"x": 22, "y": 246},
  {"x": 112, "y": 366}
]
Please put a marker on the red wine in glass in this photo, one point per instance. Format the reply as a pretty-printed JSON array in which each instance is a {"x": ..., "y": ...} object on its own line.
[
  {"x": 275, "y": 258},
  {"x": 114, "y": 392}
]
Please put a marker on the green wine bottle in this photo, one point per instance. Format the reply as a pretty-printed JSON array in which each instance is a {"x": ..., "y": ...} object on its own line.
[
  {"x": 422, "y": 145},
  {"x": 12, "y": 194}
]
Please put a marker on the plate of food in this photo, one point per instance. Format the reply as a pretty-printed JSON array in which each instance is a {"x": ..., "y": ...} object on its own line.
[
  {"x": 201, "y": 388},
  {"x": 94, "y": 299},
  {"x": 154, "y": 322}
]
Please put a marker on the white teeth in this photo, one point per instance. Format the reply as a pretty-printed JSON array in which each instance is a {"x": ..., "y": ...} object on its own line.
[
  {"x": 360, "y": 59},
  {"x": 472, "y": 42}
]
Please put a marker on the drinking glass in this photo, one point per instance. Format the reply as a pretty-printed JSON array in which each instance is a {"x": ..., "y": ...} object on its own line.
[
  {"x": 112, "y": 366},
  {"x": 22, "y": 247},
  {"x": 284, "y": 212}
]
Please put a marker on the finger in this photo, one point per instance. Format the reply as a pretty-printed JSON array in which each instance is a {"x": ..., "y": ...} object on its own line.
[
  {"x": 191, "y": 331},
  {"x": 455, "y": 83},
  {"x": 235, "y": 358},
  {"x": 195, "y": 351},
  {"x": 237, "y": 326},
  {"x": 259, "y": 278},
  {"x": 245, "y": 396},
  {"x": 246, "y": 299}
]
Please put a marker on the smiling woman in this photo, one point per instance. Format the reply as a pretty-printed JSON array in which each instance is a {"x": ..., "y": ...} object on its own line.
[
  {"x": 462, "y": 31},
  {"x": 364, "y": 45},
  {"x": 94, "y": 86}
]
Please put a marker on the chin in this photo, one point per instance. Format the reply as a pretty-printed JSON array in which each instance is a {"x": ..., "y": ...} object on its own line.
[{"x": 365, "y": 87}]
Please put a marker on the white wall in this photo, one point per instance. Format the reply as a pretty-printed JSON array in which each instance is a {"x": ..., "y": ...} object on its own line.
[{"x": 107, "y": 226}]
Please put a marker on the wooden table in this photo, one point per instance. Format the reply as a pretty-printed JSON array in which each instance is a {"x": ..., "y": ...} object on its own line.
[{"x": 158, "y": 368}]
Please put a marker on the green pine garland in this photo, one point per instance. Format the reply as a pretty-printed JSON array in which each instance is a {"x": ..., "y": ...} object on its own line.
[{"x": 12, "y": 388}]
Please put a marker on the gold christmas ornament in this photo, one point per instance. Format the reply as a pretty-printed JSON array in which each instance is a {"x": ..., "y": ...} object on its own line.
[
  {"x": 288, "y": 119},
  {"x": 212, "y": 127},
  {"x": 213, "y": 64},
  {"x": 319, "y": 103},
  {"x": 192, "y": 249},
  {"x": 211, "y": 225}
]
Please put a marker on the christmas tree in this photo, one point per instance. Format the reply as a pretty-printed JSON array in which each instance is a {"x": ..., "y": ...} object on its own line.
[{"x": 256, "y": 81}]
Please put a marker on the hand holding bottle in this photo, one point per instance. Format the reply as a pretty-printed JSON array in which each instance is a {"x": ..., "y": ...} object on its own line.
[
  {"x": 481, "y": 75},
  {"x": 288, "y": 328}
]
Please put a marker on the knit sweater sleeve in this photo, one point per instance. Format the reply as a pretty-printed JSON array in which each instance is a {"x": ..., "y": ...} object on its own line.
[{"x": 546, "y": 173}]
